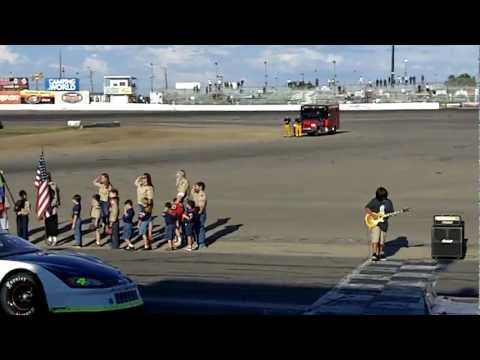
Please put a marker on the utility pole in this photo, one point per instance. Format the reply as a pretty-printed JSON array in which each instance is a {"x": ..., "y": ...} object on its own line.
[
  {"x": 266, "y": 75},
  {"x": 166, "y": 79},
  {"x": 392, "y": 81},
  {"x": 334, "y": 77},
  {"x": 151, "y": 77},
  {"x": 90, "y": 74},
  {"x": 60, "y": 63}
]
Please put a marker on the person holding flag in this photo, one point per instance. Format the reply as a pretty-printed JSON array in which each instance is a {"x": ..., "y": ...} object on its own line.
[
  {"x": 4, "y": 205},
  {"x": 48, "y": 201}
]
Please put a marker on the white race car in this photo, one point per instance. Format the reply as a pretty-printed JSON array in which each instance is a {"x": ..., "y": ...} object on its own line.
[{"x": 34, "y": 282}]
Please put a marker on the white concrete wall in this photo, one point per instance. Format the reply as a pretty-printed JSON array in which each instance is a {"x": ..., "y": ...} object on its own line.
[{"x": 199, "y": 108}]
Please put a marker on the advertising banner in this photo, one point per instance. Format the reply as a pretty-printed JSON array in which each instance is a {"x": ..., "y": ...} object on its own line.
[
  {"x": 14, "y": 83},
  {"x": 10, "y": 97},
  {"x": 118, "y": 90},
  {"x": 37, "y": 97},
  {"x": 72, "y": 97},
  {"x": 62, "y": 84}
]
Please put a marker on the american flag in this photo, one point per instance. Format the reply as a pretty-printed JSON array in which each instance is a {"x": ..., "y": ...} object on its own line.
[{"x": 43, "y": 191}]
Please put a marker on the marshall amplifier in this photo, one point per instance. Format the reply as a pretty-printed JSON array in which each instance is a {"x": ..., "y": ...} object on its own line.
[{"x": 448, "y": 237}]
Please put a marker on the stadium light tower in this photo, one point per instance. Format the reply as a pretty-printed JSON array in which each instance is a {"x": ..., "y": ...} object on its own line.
[
  {"x": 60, "y": 63},
  {"x": 334, "y": 62},
  {"x": 266, "y": 75},
  {"x": 392, "y": 80},
  {"x": 90, "y": 75},
  {"x": 166, "y": 78},
  {"x": 151, "y": 77}
]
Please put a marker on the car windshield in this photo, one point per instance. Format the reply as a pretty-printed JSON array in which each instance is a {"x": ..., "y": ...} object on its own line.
[
  {"x": 12, "y": 245},
  {"x": 314, "y": 113}
]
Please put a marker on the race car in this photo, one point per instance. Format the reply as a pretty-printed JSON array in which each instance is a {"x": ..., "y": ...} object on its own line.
[{"x": 34, "y": 282}]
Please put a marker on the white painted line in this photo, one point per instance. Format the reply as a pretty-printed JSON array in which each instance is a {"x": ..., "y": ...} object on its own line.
[
  {"x": 333, "y": 293},
  {"x": 419, "y": 284},
  {"x": 360, "y": 286},
  {"x": 379, "y": 277},
  {"x": 224, "y": 303},
  {"x": 388, "y": 263},
  {"x": 420, "y": 267},
  {"x": 413, "y": 275}
]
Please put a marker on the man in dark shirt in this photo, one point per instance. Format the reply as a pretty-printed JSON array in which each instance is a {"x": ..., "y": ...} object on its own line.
[{"x": 380, "y": 204}]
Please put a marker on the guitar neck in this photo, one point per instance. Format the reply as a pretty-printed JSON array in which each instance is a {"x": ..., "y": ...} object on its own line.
[{"x": 393, "y": 213}]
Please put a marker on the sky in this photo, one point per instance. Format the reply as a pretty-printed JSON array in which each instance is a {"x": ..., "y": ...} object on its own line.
[{"x": 236, "y": 62}]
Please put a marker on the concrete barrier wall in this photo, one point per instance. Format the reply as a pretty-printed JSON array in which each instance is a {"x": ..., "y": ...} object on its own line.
[
  {"x": 391, "y": 106},
  {"x": 210, "y": 108}
]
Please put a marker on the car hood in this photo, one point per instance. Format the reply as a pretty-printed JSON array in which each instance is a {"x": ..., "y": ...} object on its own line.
[{"x": 74, "y": 264}]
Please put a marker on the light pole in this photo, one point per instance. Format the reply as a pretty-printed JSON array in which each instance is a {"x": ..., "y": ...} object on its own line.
[
  {"x": 90, "y": 74},
  {"x": 151, "y": 77},
  {"x": 165, "y": 76},
  {"x": 392, "y": 74},
  {"x": 60, "y": 63},
  {"x": 334, "y": 77},
  {"x": 266, "y": 75},
  {"x": 216, "y": 77},
  {"x": 405, "y": 61}
]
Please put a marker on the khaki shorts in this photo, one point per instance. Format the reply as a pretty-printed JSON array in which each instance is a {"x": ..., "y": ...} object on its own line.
[{"x": 377, "y": 235}]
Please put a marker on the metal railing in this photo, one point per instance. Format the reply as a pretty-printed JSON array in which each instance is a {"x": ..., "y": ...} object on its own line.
[{"x": 348, "y": 94}]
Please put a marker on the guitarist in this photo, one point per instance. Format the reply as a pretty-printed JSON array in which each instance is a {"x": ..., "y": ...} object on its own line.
[{"x": 380, "y": 204}]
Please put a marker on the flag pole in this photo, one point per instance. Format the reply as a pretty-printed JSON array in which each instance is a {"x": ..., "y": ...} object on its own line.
[{"x": 8, "y": 189}]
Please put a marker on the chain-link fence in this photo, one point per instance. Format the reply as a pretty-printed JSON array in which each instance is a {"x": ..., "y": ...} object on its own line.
[{"x": 343, "y": 94}]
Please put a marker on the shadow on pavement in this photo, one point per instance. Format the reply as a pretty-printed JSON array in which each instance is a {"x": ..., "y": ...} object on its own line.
[
  {"x": 218, "y": 223},
  {"x": 224, "y": 232},
  {"x": 393, "y": 246},
  {"x": 220, "y": 297}
]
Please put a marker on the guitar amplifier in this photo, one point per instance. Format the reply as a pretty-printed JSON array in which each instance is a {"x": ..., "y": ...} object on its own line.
[
  {"x": 448, "y": 237},
  {"x": 447, "y": 220}
]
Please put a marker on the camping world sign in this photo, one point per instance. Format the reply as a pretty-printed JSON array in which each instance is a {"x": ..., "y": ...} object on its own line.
[{"x": 62, "y": 84}]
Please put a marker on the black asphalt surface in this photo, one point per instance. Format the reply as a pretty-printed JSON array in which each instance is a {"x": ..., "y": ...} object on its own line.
[{"x": 213, "y": 284}]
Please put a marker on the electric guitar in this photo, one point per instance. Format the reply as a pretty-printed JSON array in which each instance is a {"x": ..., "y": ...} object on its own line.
[{"x": 371, "y": 221}]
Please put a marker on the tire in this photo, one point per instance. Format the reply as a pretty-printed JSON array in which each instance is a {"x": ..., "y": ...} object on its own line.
[
  {"x": 21, "y": 296},
  {"x": 334, "y": 131}
]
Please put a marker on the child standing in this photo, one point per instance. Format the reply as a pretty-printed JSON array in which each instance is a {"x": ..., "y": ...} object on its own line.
[
  {"x": 113, "y": 219},
  {"x": 144, "y": 221},
  {"x": 170, "y": 225},
  {"x": 189, "y": 219},
  {"x": 22, "y": 209},
  {"x": 177, "y": 206},
  {"x": 96, "y": 214},
  {"x": 77, "y": 221},
  {"x": 127, "y": 218}
]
